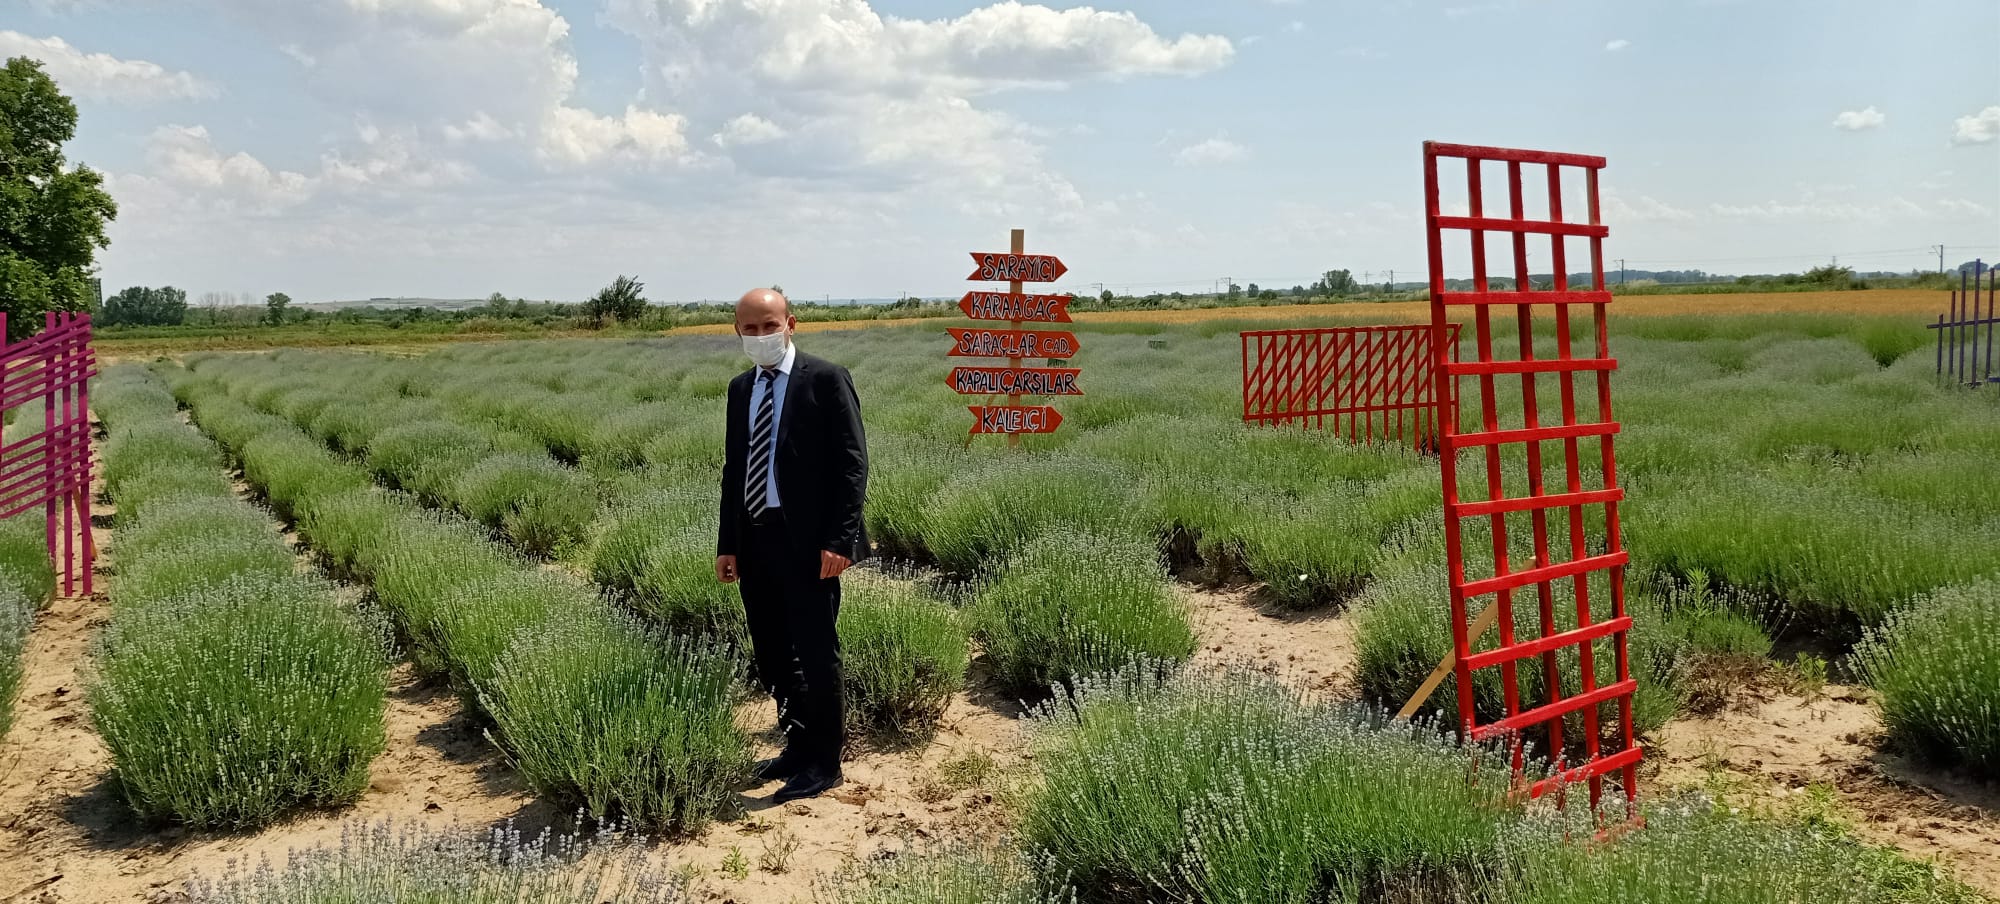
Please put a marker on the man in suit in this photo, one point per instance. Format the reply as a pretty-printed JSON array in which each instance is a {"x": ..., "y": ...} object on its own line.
[{"x": 793, "y": 479}]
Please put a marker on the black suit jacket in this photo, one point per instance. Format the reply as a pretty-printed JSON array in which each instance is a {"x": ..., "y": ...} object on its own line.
[{"x": 821, "y": 459}]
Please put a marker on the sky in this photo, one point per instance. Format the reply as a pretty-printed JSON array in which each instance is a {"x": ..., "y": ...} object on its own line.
[{"x": 343, "y": 149}]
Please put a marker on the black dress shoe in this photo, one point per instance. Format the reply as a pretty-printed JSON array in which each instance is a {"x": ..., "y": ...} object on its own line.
[
  {"x": 811, "y": 782},
  {"x": 782, "y": 766}
]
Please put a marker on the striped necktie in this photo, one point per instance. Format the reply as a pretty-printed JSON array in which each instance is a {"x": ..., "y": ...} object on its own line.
[{"x": 761, "y": 436}]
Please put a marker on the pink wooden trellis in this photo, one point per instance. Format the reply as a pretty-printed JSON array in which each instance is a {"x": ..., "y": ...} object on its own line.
[{"x": 50, "y": 468}]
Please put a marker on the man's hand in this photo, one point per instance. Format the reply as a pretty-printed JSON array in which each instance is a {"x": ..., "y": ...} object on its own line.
[
  {"x": 725, "y": 569},
  {"x": 831, "y": 564}
]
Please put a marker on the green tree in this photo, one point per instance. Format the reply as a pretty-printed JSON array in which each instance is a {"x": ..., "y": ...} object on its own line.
[
  {"x": 51, "y": 216},
  {"x": 141, "y": 306},
  {"x": 1106, "y": 297},
  {"x": 624, "y": 299},
  {"x": 275, "y": 306},
  {"x": 1831, "y": 275},
  {"x": 1335, "y": 282}
]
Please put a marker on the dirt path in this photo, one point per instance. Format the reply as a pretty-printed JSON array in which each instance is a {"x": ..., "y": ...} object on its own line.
[
  {"x": 1312, "y": 650},
  {"x": 1790, "y": 743}
]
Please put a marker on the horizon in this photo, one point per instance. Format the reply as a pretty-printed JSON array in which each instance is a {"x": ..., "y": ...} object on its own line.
[{"x": 449, "y": 150}]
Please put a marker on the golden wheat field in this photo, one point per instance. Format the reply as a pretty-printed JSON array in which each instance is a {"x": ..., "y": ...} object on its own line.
[{"x": 1914, "y": 303}]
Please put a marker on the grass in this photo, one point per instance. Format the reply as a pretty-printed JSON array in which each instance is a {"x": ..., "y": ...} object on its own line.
[
  {"x": 904, "y": 654},
  {"x": 1936, "y": 665},
  {"x": 623, "y": 722},
  {"x": 1850, "y": 479},
  {"x": 591, "y": 707},
  {"x": 1679, "y": 638},
  {"x": 379, "y": 862},
  {"x": 233, "y": 703},
  {"x": 1230, "y": 787},
  {"x": 1785, "y": 473},
  {"x": 536, "y": 503},
  {"x": 229, "y": 689},
  {"x": 659, "y": 554},
  {"x": 24, "y": 559},
  {"x": 17, "y": 616},
  {"x": 1070, "y": 605},
  {"x": 426, "y": 458},
  {"x": 1693, "y": 850}
]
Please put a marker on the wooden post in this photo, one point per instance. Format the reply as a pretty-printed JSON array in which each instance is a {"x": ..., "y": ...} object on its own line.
[
  {"x": 1018, "y": 244},
  {"x": 1480, "y": 623}
]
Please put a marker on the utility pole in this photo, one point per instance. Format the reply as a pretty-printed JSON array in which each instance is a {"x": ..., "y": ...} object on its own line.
[
  {"x": 1621, "y": 271},
  {"x": 1940, "y": 249},
  {"x": 1392, "y": 280}
]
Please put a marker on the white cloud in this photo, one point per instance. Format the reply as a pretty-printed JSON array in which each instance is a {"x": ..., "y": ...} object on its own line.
[
  {"x": 1295, "y": 26},
  {"x": 1211, "y": 151},
  {"x": 1979, "y": 128},
  {"x": 748, "y": 129},
  {"x": 1616, "y": 44},
  {"x": 101, "y": 76},
  {"x": 185, "y": 156},
  {"x": 575, "y": 136},
  {"x": 1963, "y": 208},
  {"x": 1812, "y": 209},
  {"x": 1644, "y": 209},
  {"x": 481, "y": 127},
  {"x": 1860, "y": 120},
  {"x": 467, "y": 120},
  {"x": 827, "y": 45}
]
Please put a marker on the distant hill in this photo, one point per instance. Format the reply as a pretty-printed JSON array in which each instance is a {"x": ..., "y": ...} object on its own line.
[{"x": 440, "y": 304}]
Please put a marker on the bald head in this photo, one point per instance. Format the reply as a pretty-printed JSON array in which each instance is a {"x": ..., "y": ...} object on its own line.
[{"x": 761, "y": 312}]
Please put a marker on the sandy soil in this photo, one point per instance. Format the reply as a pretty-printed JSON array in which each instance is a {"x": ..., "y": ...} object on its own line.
[
  {"x": 1312, "y": 650},
  {"x": 1790, "y": 743}
]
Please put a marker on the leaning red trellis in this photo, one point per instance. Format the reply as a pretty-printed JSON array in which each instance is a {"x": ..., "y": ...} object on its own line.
[
  {"x": 49, "y": 468},
  {"x": 1595, "y": 550}
]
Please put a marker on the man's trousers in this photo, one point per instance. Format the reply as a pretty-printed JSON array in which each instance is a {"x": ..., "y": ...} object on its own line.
[{"x": 792, "y": 615}]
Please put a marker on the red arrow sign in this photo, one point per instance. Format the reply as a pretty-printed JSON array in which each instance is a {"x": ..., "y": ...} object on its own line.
[
  {"x": 1043, "y": 381},
  {"x": 1014, "y": 419},
  {"x": 978, "y": 343},
  {"x": 1009, "y": 306},
  {"x": 997, "y": 266}
]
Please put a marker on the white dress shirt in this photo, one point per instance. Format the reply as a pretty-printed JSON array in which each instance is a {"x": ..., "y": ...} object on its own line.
[{"x": 783, "y": 381}]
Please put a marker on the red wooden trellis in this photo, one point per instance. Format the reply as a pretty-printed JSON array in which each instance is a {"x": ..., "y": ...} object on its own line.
[
  {"x": 1529, "y": 433},
  {"x": 50, "y": 468},
  {"x": 1372, "y": 381}
]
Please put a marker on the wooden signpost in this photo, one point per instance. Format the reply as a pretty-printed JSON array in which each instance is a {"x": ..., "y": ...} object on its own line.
[
  {"x": 1013, "y": 419},
  {"x": 978, "y": 343},
  {"x": 1014, "y": 343}
]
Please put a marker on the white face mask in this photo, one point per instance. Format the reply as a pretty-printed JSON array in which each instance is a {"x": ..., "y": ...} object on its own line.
[{"x": 765, "y": 351}]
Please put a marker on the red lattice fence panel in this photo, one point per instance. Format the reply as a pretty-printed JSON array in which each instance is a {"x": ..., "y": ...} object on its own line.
[
  {"x": 1373, "y": 382},
  {"x": 1595, "y": 557},
  {"x": 45, "y": 378}
]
